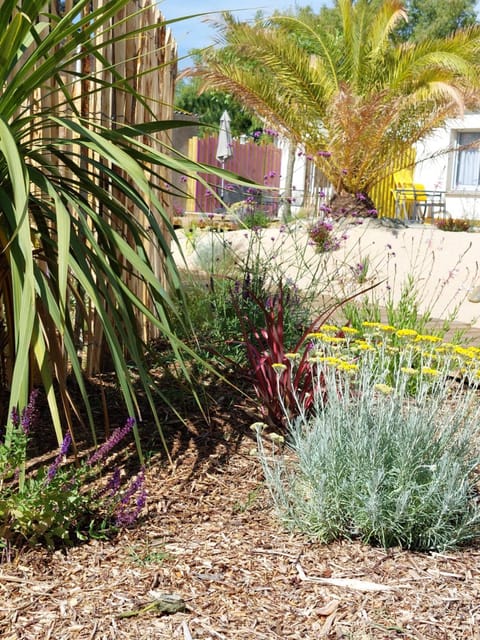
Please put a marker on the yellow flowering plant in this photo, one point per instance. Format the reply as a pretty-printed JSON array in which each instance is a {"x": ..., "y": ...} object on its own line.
[{"x": 389, "y": 452}]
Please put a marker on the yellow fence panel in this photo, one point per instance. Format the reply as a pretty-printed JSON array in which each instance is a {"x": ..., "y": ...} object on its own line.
[{"x": 382, "y": 193}]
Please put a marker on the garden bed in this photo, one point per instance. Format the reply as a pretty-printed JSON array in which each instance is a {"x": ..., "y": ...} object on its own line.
[{"x": 210, "y": 536}]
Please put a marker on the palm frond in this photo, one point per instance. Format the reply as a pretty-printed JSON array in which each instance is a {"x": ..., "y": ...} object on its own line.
[{"x": 356, "y": 93}]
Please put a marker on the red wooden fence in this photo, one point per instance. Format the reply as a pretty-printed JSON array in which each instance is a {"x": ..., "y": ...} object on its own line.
[{"x": 260, "y": 163}]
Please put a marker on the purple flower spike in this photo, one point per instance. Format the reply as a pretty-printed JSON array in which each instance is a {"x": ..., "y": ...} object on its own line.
[
  {"x": 117, "y": 435},
  {"x": 113, "y": 484},
  {"x": 126, "y": 516},
  {"x": 15, "y": 417},
  {"x": 52, "y": 470},
  {"x": 29, "y": 413}
]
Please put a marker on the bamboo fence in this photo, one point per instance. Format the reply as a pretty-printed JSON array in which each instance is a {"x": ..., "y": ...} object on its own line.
[{"x": 148, "y": 61}]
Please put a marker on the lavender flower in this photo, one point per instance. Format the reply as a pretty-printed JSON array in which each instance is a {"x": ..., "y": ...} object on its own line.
[
  {"x": 117, "y": 435},
  {"x": 52, "y": 470},
  {"x": 321, "y": 235}
]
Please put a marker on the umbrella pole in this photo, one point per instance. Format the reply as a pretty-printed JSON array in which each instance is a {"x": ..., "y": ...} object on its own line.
[{"x": 222, "y": 184}]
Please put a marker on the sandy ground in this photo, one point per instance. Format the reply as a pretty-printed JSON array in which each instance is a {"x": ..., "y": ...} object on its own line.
[{"x": 443, "y": 265}]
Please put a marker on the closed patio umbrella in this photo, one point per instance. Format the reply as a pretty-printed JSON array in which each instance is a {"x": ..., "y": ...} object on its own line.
[{"x": 224, "y": 144}]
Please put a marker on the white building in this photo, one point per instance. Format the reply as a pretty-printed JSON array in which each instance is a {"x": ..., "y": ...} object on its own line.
[{"x": 456, "y": 172}]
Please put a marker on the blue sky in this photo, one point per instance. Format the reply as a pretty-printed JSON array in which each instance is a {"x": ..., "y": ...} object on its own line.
[{"x": 197, "y": 33}]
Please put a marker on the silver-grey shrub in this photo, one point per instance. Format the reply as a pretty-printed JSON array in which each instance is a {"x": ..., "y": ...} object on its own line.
[{"x": 386, "y": 469}]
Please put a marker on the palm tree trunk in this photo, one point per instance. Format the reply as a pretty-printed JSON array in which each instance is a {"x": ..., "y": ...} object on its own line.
[{"x": 286, "y": 210}]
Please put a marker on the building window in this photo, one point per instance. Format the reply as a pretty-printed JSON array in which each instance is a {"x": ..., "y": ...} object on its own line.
[{"x": 467, "y": 171}]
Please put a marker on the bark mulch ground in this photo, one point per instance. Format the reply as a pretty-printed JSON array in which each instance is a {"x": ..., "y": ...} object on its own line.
[{"x": 210, "y": 539}]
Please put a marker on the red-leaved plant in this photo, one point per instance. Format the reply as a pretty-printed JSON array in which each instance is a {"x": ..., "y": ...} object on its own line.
[
  {"x": 283, "y": 378},
  {"x": 286, "y": 380}
]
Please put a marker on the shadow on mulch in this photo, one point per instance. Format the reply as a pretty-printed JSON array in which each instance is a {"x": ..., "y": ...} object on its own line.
[{"x": 213, "y": 427}]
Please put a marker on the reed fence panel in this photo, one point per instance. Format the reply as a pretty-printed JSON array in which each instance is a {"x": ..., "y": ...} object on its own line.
[
  {"x": 148, "y": 61},
  {"x": 382, "y": 193}
]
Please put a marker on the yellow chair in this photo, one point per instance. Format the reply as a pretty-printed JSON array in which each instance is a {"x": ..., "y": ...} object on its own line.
[{"x": 410, "y": 197}]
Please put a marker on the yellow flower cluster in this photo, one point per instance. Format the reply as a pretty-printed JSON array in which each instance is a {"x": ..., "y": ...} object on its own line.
[
  {"x": 329, "y": 328},
  {"x": 363, "y": 345},
  {"x": 428, "y": 371},
  {"x": 383, "y": 388},
  {"x": 321, "y": 359},
  {"x": 406, "y": 333},
  {"x": 349, "y": 367},
  {"x": 409, "y": 371},
  {"x": 293, "y": 356},
  {"x": 349, "y": 331},
  {"x": 380, "y": 326},
  {"x": 324, "y": 337},
  {"x": 416, "y": 354},
  {"x": 427, "y": 338}
]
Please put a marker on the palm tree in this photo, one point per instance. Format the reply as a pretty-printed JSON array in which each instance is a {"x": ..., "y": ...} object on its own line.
[
  {"x": 77, "y": 207},
  {"x": 352, "y": 97}
]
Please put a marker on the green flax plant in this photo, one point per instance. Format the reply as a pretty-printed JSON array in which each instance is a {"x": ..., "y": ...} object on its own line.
[{"x": 69, "y": 234}]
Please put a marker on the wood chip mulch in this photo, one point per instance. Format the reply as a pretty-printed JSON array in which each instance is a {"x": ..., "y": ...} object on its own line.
[{"x": 210, "y": 537}]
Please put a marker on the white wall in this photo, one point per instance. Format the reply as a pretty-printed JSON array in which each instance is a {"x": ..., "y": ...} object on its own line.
[{"x": 436, "y": 169}]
